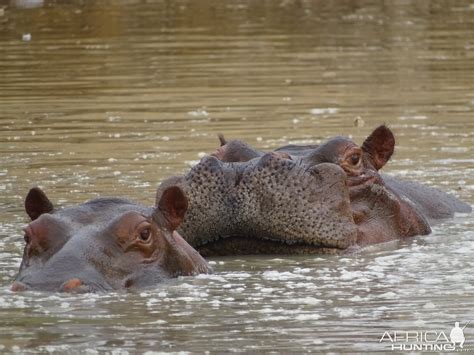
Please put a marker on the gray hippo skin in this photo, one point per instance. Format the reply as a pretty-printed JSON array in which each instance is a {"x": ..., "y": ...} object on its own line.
[
  {"x": 327, "y": 198},
  {"x": 105, "y": 244}
]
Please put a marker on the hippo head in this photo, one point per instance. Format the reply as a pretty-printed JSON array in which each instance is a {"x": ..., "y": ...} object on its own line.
[
  {"x": 104, "y": 244},
  {"x": 312, "y": 199},
  {"x": 378, "y": 211}
]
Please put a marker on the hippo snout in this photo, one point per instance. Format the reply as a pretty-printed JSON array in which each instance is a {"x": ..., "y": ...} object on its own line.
[{"x": 242, "y": 207}]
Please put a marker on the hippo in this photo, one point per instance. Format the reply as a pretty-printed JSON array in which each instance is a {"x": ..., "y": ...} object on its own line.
[
  {"x": 105, "y": 244},
  {"x": 314, "y": 199}
]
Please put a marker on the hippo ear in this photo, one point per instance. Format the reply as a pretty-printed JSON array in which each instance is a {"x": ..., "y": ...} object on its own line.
[
  {"x": 222, "y": 139},
  {"x": 173, "y": 204},
  {"x": 379, "y": 146},
  {"x": 36, "y": 203}
]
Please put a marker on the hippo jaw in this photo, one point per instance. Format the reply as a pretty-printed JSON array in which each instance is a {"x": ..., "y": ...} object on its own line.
[
  {"x": 381, "y": 215},
  {"x": 270, "y": 205}
]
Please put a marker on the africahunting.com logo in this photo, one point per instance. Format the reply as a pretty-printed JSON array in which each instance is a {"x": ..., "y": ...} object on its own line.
[{"x": 426, "y": 340}]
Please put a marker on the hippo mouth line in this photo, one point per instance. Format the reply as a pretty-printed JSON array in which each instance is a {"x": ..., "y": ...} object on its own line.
[{"x": 230, "y": 245}]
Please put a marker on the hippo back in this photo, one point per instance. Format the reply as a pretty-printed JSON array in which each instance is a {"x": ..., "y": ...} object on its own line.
[{"x": 433, "y": 203}]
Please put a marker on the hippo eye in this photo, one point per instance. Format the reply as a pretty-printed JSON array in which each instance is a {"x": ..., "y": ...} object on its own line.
[
  {"x": 355, "y": 159},
  {"x": 145, "y": 235}
]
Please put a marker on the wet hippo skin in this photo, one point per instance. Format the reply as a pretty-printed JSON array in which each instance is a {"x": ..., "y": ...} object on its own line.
[
  {"x": 327, "y": 198},
  {"x": 105, "y": 244}
]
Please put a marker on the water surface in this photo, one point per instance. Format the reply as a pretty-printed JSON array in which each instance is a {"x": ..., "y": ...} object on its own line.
[{"x": 109, "y": 98}]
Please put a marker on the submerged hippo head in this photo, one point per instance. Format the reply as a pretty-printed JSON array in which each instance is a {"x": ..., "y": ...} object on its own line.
[
  {"x": 104, "y": 244},
  {"x": 313, "y": 199}
]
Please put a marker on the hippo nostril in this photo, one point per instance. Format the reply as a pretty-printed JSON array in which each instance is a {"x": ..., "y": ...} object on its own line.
[{"x": 18, "y": 287}]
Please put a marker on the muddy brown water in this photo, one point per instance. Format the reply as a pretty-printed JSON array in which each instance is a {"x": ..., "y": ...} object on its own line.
[{"x": 108, "y": 98}]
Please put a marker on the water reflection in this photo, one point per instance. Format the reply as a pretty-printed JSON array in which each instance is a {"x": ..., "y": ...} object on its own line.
[{"x": 111, "y": 97}]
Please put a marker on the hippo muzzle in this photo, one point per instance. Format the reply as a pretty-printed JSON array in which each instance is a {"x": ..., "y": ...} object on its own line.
[{"x": 270, "y": 205}]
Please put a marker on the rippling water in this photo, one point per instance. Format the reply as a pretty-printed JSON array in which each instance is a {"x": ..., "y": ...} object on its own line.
[{"x": 110, "y": 97}]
